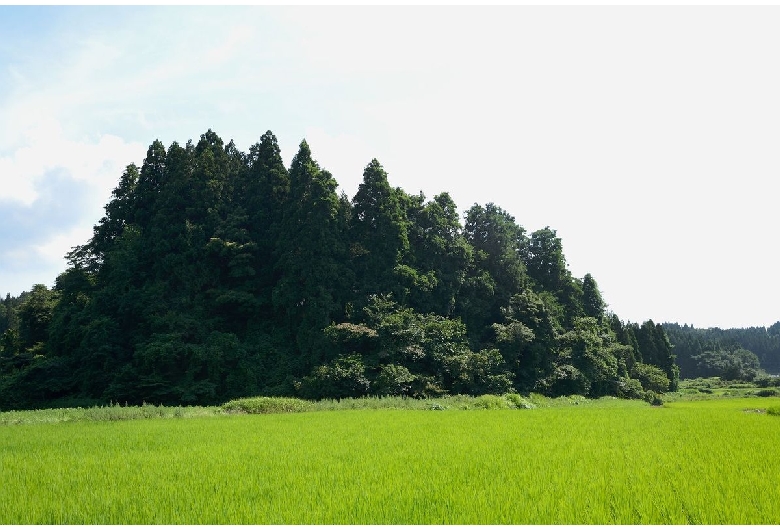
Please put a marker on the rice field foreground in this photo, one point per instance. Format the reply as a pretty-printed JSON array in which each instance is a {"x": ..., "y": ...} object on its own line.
[{"x": 621, "y": 462}]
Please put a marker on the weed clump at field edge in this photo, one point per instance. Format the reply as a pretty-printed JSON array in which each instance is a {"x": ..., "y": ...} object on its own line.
[
  {"x": 113, "y": 412},
  {"x": 282, "y": 405},
  {"x": 267, "y": 405}
]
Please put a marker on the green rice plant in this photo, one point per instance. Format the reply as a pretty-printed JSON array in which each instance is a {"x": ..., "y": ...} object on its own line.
[{"x": 605, "y": 461}]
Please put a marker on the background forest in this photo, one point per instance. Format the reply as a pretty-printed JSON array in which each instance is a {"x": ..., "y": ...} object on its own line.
[
  {"x": 731, "y": 354},
  {"x": 218, "y": 274}
]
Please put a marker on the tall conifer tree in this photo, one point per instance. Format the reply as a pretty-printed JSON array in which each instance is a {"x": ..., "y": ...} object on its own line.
[{"x": 378, "y": 235}]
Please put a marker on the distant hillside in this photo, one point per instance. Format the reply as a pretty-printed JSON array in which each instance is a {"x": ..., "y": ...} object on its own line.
[{"x": 715, "y": 351}]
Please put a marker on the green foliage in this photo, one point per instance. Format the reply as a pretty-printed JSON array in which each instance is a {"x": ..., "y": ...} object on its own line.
[
  {"x": 266, "y": 405},
  {"x": 737, "y": 364},
  {"x": 491, "y": 402},
  {"x": 73, "y": 412},
  {"x": 497, "y": 271},
  {"x": 690, "y": 343},
  {"x": 586, "y": 347},
  {"x": 103, "y": 413},
  {"x": 342, "y": 377},
  {"x": 592, "y": 303},
  {"x": 630, "y": 388},
  {"x": 439, "y": 251},
  {"x": 352, "y": 338},
  {"x": 527, "y": 339},
  {"x": 766, "y": 381},
  {"x": 379, "y": 240},
  {"x": 393, "y": 380},
  {"x": 567, "y": 379},
  {"x": 651, "y": 377},
  {"x": 545, "y": 261},
  {"x": 312, "y": 257},
  {"x": 35, "y": 315},
  {"x": 476, "y": 373},
  {"x": 216, "y": 274},
  {"x": 519, "y": 401}
]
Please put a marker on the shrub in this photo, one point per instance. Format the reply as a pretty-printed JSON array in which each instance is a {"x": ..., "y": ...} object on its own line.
[
  {"x": 651, "y": 377},
  {"x": 266, "y": 405},
  {"x": 774, "y": 411},
  {"x": 767, "y": 381},
  {"x": 519, "y": 401},
  {"x": 767, "y": 392},
  {"x": 490, "y": 402},
  {"x": 628, "y": 388},
  {"x": 653, "y": 398}
]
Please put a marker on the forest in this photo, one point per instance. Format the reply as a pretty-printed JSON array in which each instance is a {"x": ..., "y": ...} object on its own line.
[
  {"x": 217, "y": 274},
  {"x": 744, "y": 354}
]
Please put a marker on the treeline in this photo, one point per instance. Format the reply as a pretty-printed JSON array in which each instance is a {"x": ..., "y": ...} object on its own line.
[
  {"x": 218, "y": 274},
  {"x": 732, "y": 354}
]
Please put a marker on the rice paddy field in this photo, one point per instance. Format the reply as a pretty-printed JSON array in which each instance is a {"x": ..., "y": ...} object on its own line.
[{"x": 597, "y": 462}]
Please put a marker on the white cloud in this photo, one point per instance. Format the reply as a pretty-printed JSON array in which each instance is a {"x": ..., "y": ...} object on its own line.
[{"x": 46, "y": 149}]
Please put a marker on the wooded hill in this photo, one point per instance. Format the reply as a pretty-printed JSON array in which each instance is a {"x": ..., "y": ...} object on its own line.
[
  {"x": 731, "y": 354},
  {"x": 218, "y": 274}
]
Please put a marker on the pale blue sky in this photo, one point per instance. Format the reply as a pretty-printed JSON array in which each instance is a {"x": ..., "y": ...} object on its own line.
[{"x": 646, "y": 136}]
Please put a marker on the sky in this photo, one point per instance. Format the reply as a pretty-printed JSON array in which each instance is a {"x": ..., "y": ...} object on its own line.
[{"x": 646, "y": 136}]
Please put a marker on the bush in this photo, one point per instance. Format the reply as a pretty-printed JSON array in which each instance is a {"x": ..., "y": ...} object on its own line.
[
  {"x": 266, "y": 405},
  {"x": 652, "y": 378},
  {"x": 519, "y": 401},
  {"x": 628, "y": 388},
  {"x": 767, "y": 381},
  {"x": 653, "y": 398},
  {"x": 774, "y": 411},
  {"x": 767, "y": 392},
  {"x": 490, "y": 402}
]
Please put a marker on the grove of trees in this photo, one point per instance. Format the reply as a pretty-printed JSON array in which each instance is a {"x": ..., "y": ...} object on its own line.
[
  {"x": 217, "y": 274},
  {"x": 731, "y": 354}
]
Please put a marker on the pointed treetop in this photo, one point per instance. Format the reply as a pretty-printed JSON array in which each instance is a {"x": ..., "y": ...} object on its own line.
[
  {"x": 209, "y": 140},
  {"x": 302, "y": 157}
]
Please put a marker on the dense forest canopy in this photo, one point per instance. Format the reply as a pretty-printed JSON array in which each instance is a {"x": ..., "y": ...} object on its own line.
[
  {"x": 741, "y": 353},
  {"x": 217, "y": 274}
]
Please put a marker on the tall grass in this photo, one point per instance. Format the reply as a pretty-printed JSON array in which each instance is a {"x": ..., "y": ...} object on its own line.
[
  {"x": 601, "y": 462},
  {"x": 274, "y": 405},
  {"x": 113, "y": 412}
]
